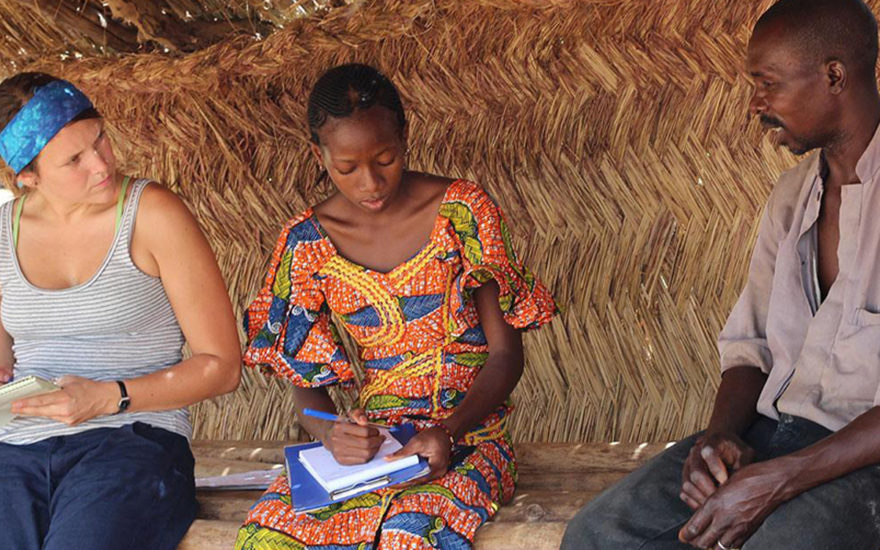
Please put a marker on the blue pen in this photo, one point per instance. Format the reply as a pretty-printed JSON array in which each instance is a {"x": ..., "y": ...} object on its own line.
[{"x": 337, "y": 418}]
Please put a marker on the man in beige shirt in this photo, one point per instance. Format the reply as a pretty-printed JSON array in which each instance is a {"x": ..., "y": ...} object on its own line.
[{"x": 790, "y": 457}]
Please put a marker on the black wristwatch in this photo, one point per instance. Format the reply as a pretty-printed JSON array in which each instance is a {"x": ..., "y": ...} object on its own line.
[{"x": 125, "y": 400}]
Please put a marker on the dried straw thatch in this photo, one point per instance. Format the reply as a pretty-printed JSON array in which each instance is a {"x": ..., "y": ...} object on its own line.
[
  {"x": 30, "y": 29},
  {"x": 613, "y": 132}
]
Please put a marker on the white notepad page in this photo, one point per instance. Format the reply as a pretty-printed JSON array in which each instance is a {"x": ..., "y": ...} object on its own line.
[
  {"x": 19, "y": 389},
  {"x": 334, "y": 476}
]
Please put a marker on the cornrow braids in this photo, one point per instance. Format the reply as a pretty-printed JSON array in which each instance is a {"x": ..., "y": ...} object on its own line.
[{"x": 344, "y": 89}]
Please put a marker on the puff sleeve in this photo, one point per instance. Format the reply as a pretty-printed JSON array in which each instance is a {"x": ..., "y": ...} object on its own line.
[
  {"x": 487, "y": 253},
  {"x": 288, "y": 325}
]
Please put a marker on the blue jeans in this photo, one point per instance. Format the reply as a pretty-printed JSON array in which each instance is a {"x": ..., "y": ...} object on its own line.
[
  {"x": 107, "y": 488},
  {"x": 643, "y": 511}
]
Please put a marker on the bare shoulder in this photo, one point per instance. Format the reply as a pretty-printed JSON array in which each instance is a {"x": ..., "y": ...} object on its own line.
[
  {"x": 160, "y": 208},
  {"x": 329, "y": 205},
  {"x": 164, "y": 229},
  {"x": 430, "y": 188}
]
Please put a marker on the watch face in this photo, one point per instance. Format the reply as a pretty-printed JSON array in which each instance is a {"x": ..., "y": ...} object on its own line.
[{"x": 123, "y": 403}]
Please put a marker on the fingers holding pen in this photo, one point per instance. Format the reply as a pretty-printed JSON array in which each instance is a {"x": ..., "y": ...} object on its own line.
[
  {"x": 351, "y": 440},
  {"x": 353, "y": 444},
  {"x": 358, "y": 416}
]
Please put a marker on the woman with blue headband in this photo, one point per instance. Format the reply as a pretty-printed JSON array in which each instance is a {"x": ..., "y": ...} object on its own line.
[{"x": 102, "y": 279}]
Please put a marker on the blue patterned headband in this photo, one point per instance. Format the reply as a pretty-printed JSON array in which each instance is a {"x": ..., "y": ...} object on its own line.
[{"x": 52, "y": 107}]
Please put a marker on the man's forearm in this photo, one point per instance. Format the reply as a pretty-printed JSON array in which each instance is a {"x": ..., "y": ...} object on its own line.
[
  {"x": 854, "y": 446},
  {"x": 736, "y": 401}
]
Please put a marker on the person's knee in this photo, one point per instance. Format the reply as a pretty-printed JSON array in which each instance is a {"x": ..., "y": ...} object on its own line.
[
  {"x": 417, "y": 530},
  {"x": 150, "y": 508},
  {"x": 808, "y": 524},
  {"x": 585, "y": 531},
  {"x": 638, "y": 509},
  {"x": 842, "y": 513}
]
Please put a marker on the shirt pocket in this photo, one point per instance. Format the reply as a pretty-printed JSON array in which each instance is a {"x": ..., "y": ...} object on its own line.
[{"x": 867, "y": 318}]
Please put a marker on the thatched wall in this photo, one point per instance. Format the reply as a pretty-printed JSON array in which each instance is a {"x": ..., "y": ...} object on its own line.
[{"x": 614, "y": 133}]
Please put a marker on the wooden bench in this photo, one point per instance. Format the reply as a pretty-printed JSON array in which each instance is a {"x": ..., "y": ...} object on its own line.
[{"x": 555, "y": 481}]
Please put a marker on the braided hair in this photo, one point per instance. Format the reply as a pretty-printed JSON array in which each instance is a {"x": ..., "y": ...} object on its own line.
[{"x": 344, "y": 89}]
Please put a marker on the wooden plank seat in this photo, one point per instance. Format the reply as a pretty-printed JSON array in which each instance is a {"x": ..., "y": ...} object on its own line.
[{"x": 555, "y": 481}]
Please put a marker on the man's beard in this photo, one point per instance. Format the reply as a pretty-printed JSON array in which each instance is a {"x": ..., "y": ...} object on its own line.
[{"x": 795, "y": 145}]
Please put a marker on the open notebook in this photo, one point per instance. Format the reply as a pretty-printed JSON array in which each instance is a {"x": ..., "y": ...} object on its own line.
[
  {"x": 334, "y": 476},
  {"x": 331, "y": 482},
  {"x": 19, "y": 389}
]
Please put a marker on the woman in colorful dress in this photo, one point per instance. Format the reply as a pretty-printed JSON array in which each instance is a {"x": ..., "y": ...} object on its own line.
[
  {"x": 420, "y": 271},
  {"x": 103, "y": 278}
]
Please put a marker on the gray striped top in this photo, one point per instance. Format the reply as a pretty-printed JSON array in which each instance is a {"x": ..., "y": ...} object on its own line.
[{"x": 117, "y": 325}]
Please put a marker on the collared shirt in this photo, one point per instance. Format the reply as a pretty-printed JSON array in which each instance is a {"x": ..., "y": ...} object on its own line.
[{"x": 822, "y": 357}]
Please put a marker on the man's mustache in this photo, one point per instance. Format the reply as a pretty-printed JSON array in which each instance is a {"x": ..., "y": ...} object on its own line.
[{"x": 770, "y": 122}]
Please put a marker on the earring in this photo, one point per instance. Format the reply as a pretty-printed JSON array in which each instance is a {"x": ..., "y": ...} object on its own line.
[{"x": 19, "y": 184}]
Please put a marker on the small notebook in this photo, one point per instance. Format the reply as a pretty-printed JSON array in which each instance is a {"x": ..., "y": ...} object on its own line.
[
  {"x": 334, "y": 476},
  {"x": 19, "y": 389}
]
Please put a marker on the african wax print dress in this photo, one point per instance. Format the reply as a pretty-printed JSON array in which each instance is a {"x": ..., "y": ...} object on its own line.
[{"x": 419, "y": 337}]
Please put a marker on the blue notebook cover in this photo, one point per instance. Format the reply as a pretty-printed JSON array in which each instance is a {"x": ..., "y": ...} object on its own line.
[{"x": 307, "y": 494}]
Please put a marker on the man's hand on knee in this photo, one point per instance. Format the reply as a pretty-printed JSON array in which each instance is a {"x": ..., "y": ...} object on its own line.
[
  {"x": 736, "y": 509},
  {"x": 709, "y": 464}
]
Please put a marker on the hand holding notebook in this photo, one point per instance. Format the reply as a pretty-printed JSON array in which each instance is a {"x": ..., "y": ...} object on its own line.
[
  {"x": 20, "y": 389},
  {"x": 319, "y": 480},
  {"x": 434, "y": 445},
  {"x": 334, "y": 476},
  {"x": 351, "y": 439}
]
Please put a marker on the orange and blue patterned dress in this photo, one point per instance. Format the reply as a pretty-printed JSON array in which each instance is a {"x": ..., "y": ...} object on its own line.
[{"x": 418, "y": 334}]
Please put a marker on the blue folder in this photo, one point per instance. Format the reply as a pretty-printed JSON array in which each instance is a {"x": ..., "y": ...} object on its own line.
[{"x": 306, "y": 493}]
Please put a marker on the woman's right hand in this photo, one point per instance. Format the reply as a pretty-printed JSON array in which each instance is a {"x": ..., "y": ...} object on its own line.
[{"x": 352, "y": 442}]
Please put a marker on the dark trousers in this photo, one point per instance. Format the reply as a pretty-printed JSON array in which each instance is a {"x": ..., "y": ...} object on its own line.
[
  {"x": 109, "y": 488},
  {"x": 643, "y": 511}
]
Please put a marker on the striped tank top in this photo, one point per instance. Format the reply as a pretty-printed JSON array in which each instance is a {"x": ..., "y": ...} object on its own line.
[{"x": 117, "y": 325}]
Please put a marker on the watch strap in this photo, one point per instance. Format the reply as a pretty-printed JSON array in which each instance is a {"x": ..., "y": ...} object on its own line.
[{"x": 124, "y": 399}]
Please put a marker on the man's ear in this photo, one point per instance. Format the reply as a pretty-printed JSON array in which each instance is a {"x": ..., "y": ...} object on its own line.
[{"x": 835, "y": 76}]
